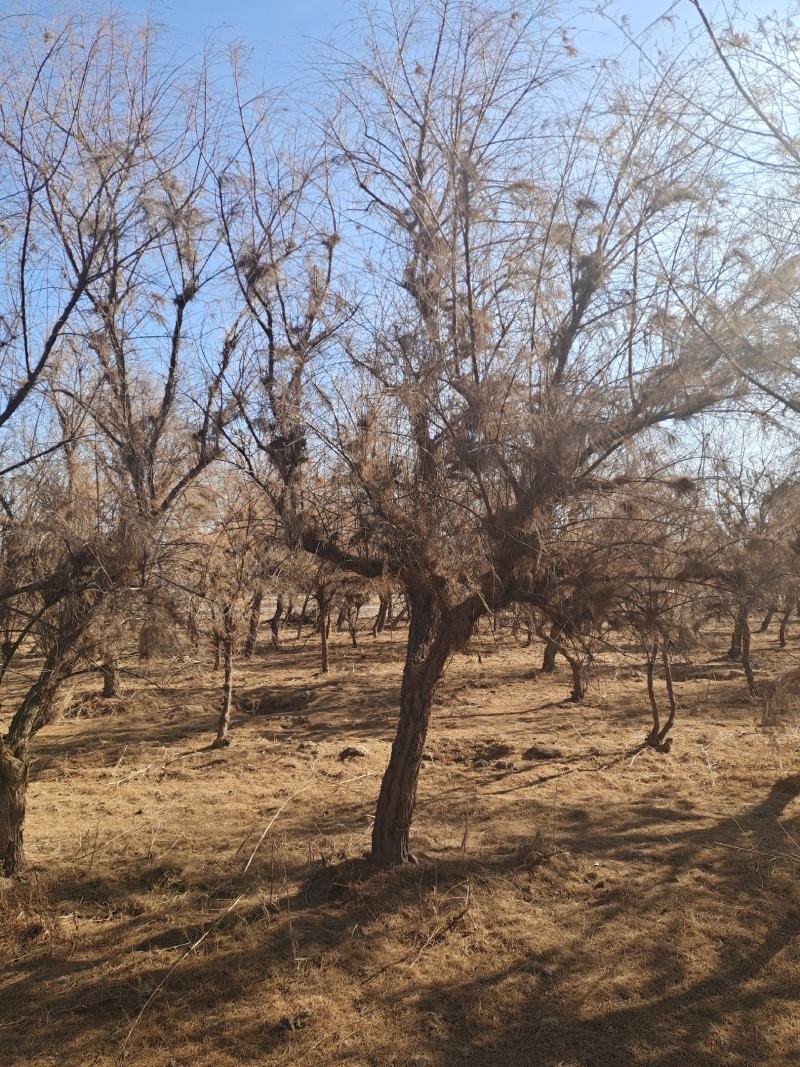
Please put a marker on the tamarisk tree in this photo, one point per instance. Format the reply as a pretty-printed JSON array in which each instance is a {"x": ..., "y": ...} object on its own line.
[
  {"x": 105, "y": 154},
  {"x": 515, "y": 330}
]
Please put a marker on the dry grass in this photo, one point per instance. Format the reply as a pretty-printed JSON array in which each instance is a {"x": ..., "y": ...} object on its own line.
[{"x": 603, "y": 908}]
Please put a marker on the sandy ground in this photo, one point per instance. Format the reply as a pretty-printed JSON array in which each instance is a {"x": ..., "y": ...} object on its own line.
[{"x": 604, "y": 907}]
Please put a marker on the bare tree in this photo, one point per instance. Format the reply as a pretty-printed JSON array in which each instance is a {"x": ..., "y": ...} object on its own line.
[
  {"x": 518, "y": 333},
  {"x": 104, "y": 152}
]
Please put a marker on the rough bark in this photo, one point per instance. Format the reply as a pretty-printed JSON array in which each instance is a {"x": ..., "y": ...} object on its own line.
[
  {"x": 34, "y": 712},
  {"x": 432, "y": 636},
  {"x": 110, "y": 673},
  {"x": 13, "y": 791}
]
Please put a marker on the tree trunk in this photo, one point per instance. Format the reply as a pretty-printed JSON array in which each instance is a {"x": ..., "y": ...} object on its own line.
[
  {"x": 380, "y": 619},
  {"x": 403, "y": 616},
  {"x": 352, "y": 624},
  {"x": 275, "y": 622},
  {"x": 7, "y": 650},
  {"x": 341, "y": 618},
  {"x": 34, "y": 712},
  {"x": 431, "y": 638},
  {"x": 735, "y": 651},
  {"x": 192, "y": 628},
  {"x": 255, "y": 619},
  {"x": 223, "y": 725},
  {"x": 324, "y": 624},
  {"x": 110, "y": 673},
  {"x": 652, "y": 738},
  {"x": 578, "y": 685},
  {"x": 551, "y": 650},
  {"x": 665, "y": 729},
  {"x": 767, "y": 620},
  {"x": 784, "y": 624},
  {"x": 13, "y": 790},
  {"x": 744, "y": 629}
]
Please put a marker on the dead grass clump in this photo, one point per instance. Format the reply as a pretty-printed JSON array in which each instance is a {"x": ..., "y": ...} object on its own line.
[
  {"x": 781, "y": 699},
  {"x": 95, "y": 707},
  {"x": 28, "y": 919}
]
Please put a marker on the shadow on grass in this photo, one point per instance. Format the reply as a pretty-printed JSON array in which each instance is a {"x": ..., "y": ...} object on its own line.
[{"x": 398, "y": 937}]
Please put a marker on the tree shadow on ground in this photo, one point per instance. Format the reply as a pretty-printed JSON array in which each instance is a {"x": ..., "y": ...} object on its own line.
[{"x": 389, "y": 939}]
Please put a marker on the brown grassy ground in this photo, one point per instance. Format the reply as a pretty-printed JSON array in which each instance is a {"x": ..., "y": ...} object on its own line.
[{"x": 602, "y": 908}]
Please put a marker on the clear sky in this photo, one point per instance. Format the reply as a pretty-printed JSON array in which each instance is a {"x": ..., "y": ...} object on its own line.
[{"x": 285, "y": 34}]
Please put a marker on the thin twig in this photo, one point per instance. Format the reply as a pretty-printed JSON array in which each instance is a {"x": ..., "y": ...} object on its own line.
[
  {"x": 758, "y": 852},
  {"x": 271, "y": 822}
]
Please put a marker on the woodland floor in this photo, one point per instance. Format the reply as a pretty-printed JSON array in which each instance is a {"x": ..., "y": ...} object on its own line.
[{"x": 603, "y": 908}]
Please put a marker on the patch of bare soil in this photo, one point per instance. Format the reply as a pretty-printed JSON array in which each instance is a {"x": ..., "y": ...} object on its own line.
[{"x": 597, "y": 905}]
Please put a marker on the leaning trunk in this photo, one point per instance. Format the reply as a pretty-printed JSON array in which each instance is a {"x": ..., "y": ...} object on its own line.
[
  {"x": 735, "y": 651},
  {"x": 35, "y": 711},
  {"x": 432, "y": 637},
  {"x": 665, "y": 729},
  {"x": 380, "y": 618}
]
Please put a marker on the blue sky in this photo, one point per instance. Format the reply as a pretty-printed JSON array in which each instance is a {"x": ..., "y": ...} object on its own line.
[{"x": 285, "y": 34}]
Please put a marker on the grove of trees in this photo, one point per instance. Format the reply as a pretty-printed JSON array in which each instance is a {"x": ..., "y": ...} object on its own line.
[{"x": 495, "y": 334}]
